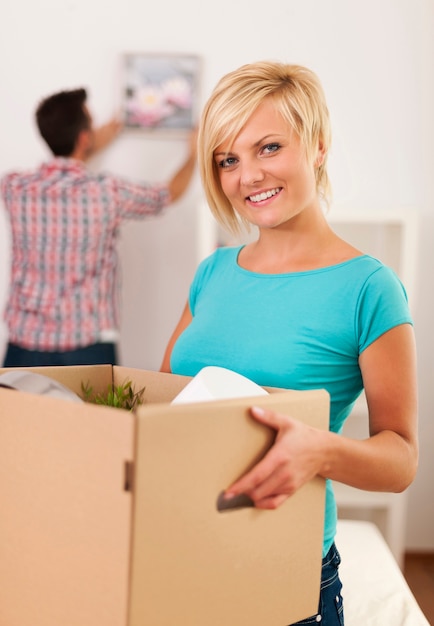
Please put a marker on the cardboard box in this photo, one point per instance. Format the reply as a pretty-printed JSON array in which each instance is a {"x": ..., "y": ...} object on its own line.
[{"x": 109, "y": 518}]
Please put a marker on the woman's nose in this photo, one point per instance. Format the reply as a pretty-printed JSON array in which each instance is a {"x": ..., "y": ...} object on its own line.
[{"x": 251, "y": 173}]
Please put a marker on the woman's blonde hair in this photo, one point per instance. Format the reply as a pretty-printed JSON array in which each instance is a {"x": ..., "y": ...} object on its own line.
[{"x": 297, "y": 94}]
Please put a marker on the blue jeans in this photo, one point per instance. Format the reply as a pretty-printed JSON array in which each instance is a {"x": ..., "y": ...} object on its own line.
[
  {"x": 96, "y": 354},
  {"x": 330, "y": 609}
]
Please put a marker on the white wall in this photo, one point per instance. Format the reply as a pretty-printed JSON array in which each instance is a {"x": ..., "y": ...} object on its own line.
[{"x": 375, "y": 59}]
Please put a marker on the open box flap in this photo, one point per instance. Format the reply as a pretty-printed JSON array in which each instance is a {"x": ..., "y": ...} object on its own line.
[
  {"x": 74, "y": 376},
  {"x": 158, "y": 386}
]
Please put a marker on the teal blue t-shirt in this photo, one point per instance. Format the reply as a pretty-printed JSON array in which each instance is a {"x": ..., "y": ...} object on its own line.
[{"x": 302, "y": 330}]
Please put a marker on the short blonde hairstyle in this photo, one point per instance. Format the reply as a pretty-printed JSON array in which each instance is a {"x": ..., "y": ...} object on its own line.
[{"x": 298, "y": 96}]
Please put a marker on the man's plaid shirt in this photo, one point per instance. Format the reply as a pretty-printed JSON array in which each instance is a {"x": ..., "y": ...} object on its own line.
[{"x": 64, "y": 223}]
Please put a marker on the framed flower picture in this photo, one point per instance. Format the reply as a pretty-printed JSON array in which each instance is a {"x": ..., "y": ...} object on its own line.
[{"x": 160, "y": 91}]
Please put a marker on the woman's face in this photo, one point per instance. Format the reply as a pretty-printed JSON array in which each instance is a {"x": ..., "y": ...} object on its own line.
[{"x": 265, "y": 174}]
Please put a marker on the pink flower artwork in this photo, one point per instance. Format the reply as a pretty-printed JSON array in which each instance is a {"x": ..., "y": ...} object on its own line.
[{"x": 160, "y": 91}]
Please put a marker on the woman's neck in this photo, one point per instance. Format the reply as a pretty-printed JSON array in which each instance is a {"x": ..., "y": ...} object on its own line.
[{"x": 289, "y": 249}]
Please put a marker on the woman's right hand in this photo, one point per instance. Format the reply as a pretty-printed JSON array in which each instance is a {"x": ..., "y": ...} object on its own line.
[{"x": 293, "y": 460}]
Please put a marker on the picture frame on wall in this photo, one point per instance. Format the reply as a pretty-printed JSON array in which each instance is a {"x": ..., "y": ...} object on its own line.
[{"x": 160, "y": 91}]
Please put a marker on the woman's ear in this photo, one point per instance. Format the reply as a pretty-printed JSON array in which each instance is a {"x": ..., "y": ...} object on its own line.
[{"x": 320, "y": 155}]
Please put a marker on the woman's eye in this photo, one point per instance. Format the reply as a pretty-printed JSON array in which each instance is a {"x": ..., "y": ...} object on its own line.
[
  {"x": 228, "y": 162},
  {"x": 271, "y": 147}
]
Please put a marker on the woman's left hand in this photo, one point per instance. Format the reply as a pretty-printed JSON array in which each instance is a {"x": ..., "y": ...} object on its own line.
[{"x": 293, "y": 460}]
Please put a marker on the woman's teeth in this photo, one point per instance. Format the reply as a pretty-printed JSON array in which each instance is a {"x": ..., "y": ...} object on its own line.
[{"x": 264, "y": 195}]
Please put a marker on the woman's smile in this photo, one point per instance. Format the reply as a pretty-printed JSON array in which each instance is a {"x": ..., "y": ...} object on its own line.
[{"x": 264, "y": 195}]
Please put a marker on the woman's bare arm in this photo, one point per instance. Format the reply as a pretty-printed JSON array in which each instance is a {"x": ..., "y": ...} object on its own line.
[
  {"x": 386, "y": 461},
  {"x": 184, "y": 321}
]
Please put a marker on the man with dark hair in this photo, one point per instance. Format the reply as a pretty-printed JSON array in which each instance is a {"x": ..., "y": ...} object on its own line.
[
  {"x": 60, "y": 119},
  {"x": 62, "y": 306}
]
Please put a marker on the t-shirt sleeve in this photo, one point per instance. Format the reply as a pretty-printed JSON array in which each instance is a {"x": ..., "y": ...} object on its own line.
[
  {"x": 203, "y": 271},
  {"x": 383, "y": 305}
]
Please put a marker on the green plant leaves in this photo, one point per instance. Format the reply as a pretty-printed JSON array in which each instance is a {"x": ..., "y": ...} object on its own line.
[{"x": 118, "y": 396}]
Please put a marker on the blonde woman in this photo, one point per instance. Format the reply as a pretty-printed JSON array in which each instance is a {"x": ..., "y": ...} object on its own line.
[{"x": 298, "y": 307}]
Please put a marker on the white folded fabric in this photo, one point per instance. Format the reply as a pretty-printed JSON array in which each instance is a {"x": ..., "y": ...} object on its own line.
[{"x": 216, "y": 383}]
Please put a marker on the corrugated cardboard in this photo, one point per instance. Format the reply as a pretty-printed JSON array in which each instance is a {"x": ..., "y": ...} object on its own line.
[{"x": 82, "y": 546}]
